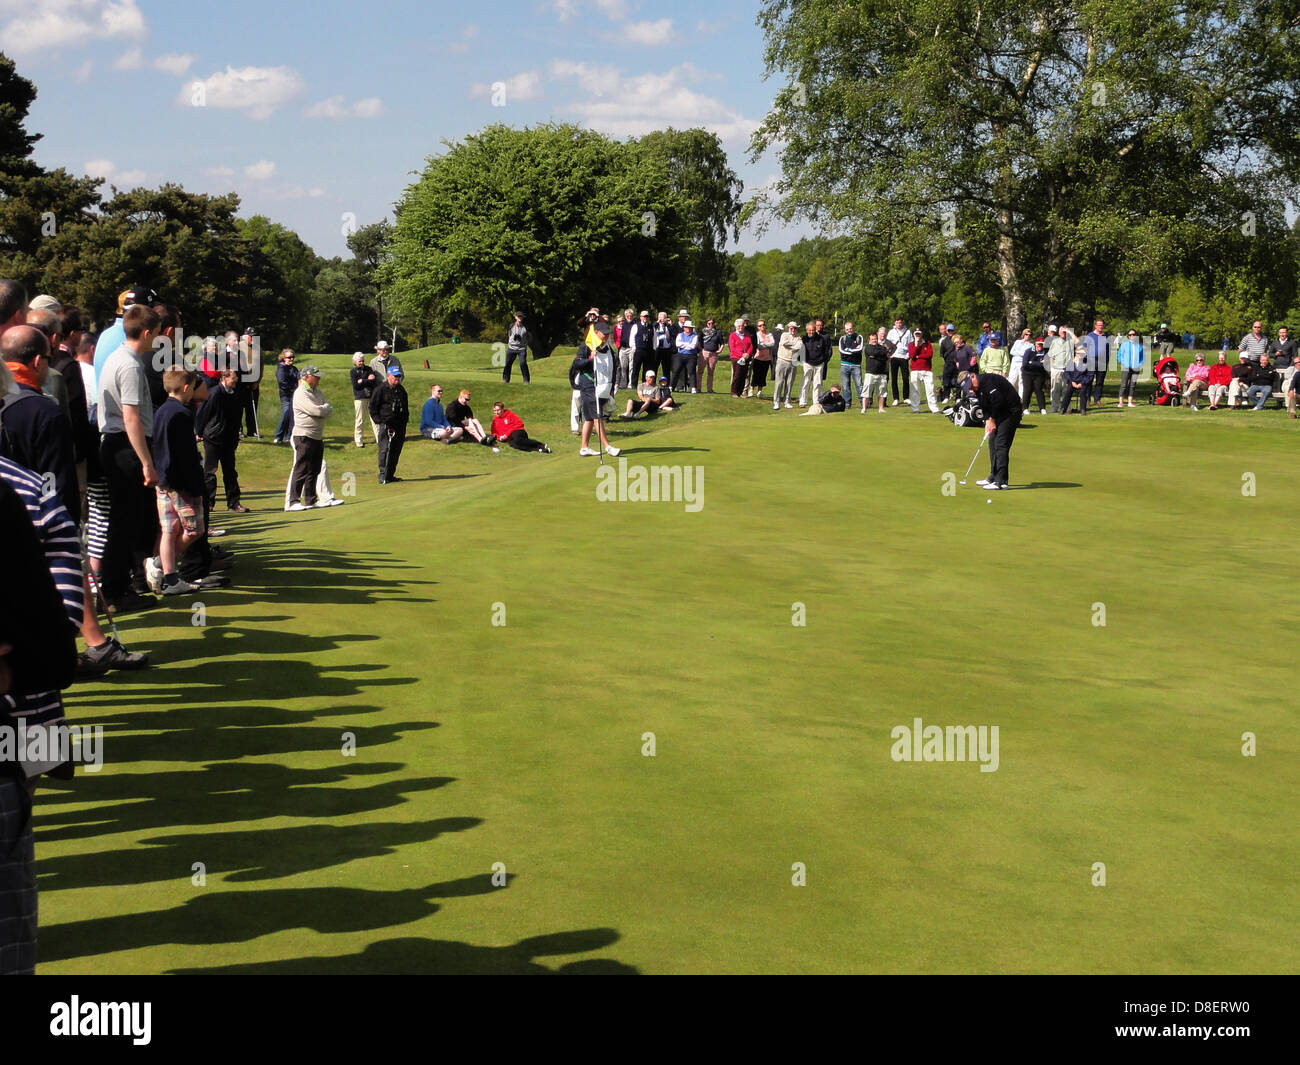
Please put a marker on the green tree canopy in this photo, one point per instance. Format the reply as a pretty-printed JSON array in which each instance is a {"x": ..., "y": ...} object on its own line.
[
  {"x": 553, "y": 219},
  {"x": 1068, "y": 148}
]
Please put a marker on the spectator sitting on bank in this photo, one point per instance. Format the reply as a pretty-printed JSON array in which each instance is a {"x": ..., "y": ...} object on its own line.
[
  {"x": 648, "y": 404},
  {"x": 831, "y": 402},
  {"x": 1220, "y": 380},
  {"x": 508, "y": 428},
  {"x": 1262, "y": 383},
  {"x": 433, "y": 420},
  {"x": 1198, "y": 380}
]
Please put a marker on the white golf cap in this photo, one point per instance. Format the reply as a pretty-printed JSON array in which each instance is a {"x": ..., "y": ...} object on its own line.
[{"x": 382, "y": 344}]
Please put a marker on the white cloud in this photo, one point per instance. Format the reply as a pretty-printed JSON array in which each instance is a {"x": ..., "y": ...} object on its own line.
[
  {"x": 470, "y": 32},
  {"x": 82, "y": 73},
  {"x": 565, "y": 9},
  {"x": 613, "y": 9},
  {"x": 107, "y": 169},
  {"x": 525, "y": 86},
  {"x": 293, "y": 192},
  {"x": 131, "y": 60},
  {"x": 633, "y": 106},
  {"x": 258, "y": 91},
  {"x": 260, "y": 171},
  {"x": 171, "y": 63},
  {"x": 220, "y": 171},
  {"x": 660, "y": 31},
  {"x": 52, "y": 25},
  {"x": 333, "y": 107}
]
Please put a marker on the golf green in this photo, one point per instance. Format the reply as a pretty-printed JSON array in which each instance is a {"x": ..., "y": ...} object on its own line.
[{"x": 455, "y": 676}]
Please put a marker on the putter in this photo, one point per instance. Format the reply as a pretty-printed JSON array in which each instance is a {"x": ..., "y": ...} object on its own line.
[{"x": 974, "y": 457}]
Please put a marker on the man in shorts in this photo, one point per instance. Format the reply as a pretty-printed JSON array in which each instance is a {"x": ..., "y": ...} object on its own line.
[{"x": 180, "y": 485}]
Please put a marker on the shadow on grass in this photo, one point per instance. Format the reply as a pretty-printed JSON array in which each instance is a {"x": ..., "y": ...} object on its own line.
[
  {"x": 449, "y": 957},
  {"x": 252, "y": 854},
  {"x": 222, "y": 793},
  {"x": 1046, "y": 484}
]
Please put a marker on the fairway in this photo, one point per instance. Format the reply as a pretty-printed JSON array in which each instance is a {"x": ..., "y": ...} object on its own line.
[{"x": 461, "y": 669}]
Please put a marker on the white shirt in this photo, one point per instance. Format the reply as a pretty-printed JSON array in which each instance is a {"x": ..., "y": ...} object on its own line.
[{"x": 900, "y": 338}]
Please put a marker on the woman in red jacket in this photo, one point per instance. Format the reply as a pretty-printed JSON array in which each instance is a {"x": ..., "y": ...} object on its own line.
[
  {"x": 1220, "y": 380},
  {"x": 508, "y": 427},
  {"x": 920, "y": 356},
  {"x": 742, "y": 350}
]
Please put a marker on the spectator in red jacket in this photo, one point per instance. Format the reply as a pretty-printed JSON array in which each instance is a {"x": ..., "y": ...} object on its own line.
[
  {"x": 742, "y": 350},
  {"x": 920, "y": 363},
  {"x": 508, "y": 427},
  {"x": 1220, "y": 380}
]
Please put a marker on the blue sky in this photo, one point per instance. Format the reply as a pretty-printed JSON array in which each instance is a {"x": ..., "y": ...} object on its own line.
[{"x": 314, "y": 112}]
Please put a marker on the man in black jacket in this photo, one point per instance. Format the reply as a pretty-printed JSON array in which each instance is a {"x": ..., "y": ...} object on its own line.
[
  {"x": 390, "y": 410},
  {"x": 218, "y": 424},
  {"x": 948, "y": 349},
  {"x": 1002, "y": 411},
  {"x": 816, "y": 354},
  {"x": 34, "y": 431}
]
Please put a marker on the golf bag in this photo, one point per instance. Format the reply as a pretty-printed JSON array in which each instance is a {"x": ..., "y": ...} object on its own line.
[{"x": 965, "y": 412}]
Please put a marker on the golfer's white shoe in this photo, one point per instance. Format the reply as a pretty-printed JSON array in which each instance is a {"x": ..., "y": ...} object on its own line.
[
  {"x": 295, "y": 506},
  {"x": 994, "y": 487},
  {"x": 588, "y": 452},
  {"x": 611, "y": 450},
  {"x": 329, "y": 503},
  {"x": 982, "y": 482}
]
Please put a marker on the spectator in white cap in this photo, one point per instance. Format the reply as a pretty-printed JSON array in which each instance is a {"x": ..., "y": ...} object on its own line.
[{"x": 384, "y": 360}]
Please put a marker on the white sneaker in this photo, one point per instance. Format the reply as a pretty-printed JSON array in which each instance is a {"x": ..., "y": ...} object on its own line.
[
  {"x": 328, "y": 503},
  {"x": 611, "y": 450},
  {"x": 994, "y": 487},
  {"x": 587, "y": 452},
  {"x": 496, "y": 451},
  {"x": 695, "y": 391},
  {"x": 776, "y": 406},
  {"x": 983, "y": 482},
  {"x": 894, "y": 404},
  {"x": 295, "y": 506},
  {"x": 789, "y": 406},
  {"x": 153, "y": 575},
  {"x": 1042, "y": 410}
]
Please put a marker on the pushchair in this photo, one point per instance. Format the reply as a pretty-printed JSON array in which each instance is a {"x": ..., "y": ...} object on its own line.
[
  {"x": 965, "y": 412},
  {"x": 1168, "y": 391}
]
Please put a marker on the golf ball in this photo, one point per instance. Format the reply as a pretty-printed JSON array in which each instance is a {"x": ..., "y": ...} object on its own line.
[{"x": 988, "y": 501}]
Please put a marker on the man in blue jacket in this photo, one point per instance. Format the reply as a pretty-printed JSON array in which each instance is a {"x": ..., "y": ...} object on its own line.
[{"x": 433, "y": 420}]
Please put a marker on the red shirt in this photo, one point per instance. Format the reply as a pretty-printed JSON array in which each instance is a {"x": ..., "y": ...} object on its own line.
[
  {"x": 1220, "y": 375},
  {"x": 505, "y": 424},
  {"x": 920, "y": 358},
  {"x": 741, "y": 346}
]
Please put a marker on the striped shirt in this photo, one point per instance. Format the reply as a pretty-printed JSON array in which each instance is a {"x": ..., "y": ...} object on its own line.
[{"x": 58, "y": 535}]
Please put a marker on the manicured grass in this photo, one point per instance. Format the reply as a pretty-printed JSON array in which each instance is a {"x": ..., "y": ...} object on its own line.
[{"x": 522, "y": 743}]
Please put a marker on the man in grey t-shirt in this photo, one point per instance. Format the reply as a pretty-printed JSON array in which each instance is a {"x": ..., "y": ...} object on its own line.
[
  {"x": 126, "y": 420},
  {"x": 1255, "y": 343}
]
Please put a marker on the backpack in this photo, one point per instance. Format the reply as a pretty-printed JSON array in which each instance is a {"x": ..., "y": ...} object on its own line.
[{"x": 10, "y": 447}]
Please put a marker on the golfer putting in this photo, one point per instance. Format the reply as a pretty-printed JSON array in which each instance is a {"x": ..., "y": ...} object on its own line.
[
  {"x": 1002, "y": 411},
  {"x": 592, "y": 373}
]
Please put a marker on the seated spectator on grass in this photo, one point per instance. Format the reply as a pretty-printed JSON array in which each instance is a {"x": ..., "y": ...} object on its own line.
[
  {"x": 829, "y": 402},
  {"x": 461, "y": 416},
  {"x": 433, "y": 420},
  {"x": 666, "y": 400},
  {"x": 1198, "y": 380},
  {"x": 1262, "y": 383},
  {"x": 648, "y": 404},
  {"x": 1078, "y": 382},
  {"x": 508, "y": 427},
  {"x": 1240, "y": 379},
  {"x": 1220, "y": 379}
]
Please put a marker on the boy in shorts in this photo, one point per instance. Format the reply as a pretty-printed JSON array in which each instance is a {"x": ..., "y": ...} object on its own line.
[{"x": 180, "y": 479}]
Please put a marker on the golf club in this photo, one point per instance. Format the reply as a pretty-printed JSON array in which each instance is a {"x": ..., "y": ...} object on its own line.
[{"x": 974, "y": 457}]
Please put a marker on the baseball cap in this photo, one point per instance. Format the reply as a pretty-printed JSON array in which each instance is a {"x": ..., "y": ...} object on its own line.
[
  {"x": 249, "y": 331},
  {"x": 310, "y": 370},
  {"x": 45, "y": 303},
  {"x": 136, "y": 294},
  {"x": 949, "y": 327},
  {"x": 663, "y": 380},
  {"x": 602, "y": 328},
  {"x": 688, "y": 324},
  {"x": 382, "y": 344},
  {"x": 395, "y": 371},
  {"x": 1051, "y": 329},
  {"x": 683, "y": 313}
]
